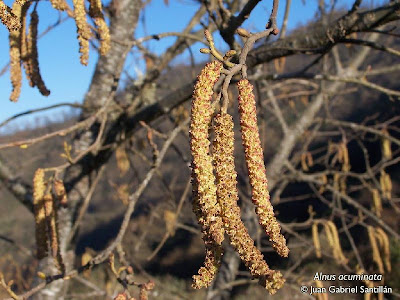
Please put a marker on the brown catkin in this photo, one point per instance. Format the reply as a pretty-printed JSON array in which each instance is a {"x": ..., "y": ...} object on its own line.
[
  {"x": 256, "y": 168},
  {"x": 205, "y": 204},
  {"x": 39, "y": 187},
  {"x": 95, "y": 11},
  {"x": 83, "y": 30},
  {"x": 8, "y": 18},
  {"x": 15, "y": 57},
  {"x": 25, "y": 50},
  {"x": 227, "y": 194},
  {"x": 33, "y": 55},
  {"x": 52, "y": 226}
]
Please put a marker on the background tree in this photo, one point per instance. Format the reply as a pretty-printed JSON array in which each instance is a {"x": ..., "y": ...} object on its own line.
[{"x": 328, "y": 119}]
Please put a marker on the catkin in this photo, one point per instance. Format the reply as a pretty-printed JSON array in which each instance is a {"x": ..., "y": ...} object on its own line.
[
  {"x": 386, "y": 146},
  {"x": 33, "y": 55},
  {"x": 52, "y": 226},
  {"x": 227, "y": 194},
  {"x": 386, "y": 184},
  {"x": 377, "y": 202},
  {"x": 15, "y": 57},
  {"x": 83, "y": 30},
  {"x": 317, "y": 243},
  {"x": 385, "y": 246},
  {"x": 95, "y": 11},
  {"x": 25, "y": 51},
  {"x": 337, "y": 249},
  {"x": 60, "y": 5},
  {"x": 40, "y": 215},
  {"x": 8, "y": 18},
  {"x": 59, "y": 190},
  {"x": 375, "y": 250},
  {"x": 256, "y": 168},
  {"x": 205, "y": 204}
]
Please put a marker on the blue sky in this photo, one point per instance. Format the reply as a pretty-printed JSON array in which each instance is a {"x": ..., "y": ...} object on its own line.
[{"x": 68, "y": 80}]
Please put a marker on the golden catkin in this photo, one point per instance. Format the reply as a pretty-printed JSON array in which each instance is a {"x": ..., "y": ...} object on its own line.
[
  {"x": 377, "y": 202},
  {"x": 52, "y": 226},
  {"x": 83, "y": 30},
  {"x": 40, "y": 215},
  {"x": 212, "y": 263},
  {"x": 15, "y": 57},
  {"x": 21, "y": 2},
  {"x": 59, "y": 190},
  {"x": 227, "y": 194},
  {"x": 317, "y": 243},
  {"x": 59, "y": 4},
  {"x": 96, "y": 13},
  {"x": 375, "y": 250},
  {"x": 386, "y": 146},
  {"x": 337, "y": 248},
  {"x": 205, "y": 204},
  {"x": 8, "y": 18},
  {"x": 329, "y": 235},
  {"x": 321, "y": 296},
  {"x": 385, "y": 246},
  {"x": 386, "y": 184},
  {"x": 33, "y": 55},
  {"x": 256, "y": 168}
]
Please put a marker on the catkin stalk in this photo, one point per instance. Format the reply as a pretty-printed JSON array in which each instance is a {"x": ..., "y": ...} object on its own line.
[
  {"x": 205, "y": 204},
  {"x": 256, "y": 168},
  {"x": 227, "y": 194}
]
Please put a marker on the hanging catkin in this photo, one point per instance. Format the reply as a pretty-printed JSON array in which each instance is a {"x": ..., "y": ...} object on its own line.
[
  {"x": 36, "y": 78},
  {"x": 60, "y": 5},
  {"x": 15, "y": 57},
  {"x": 8, "y": 18},
  {"x": 256, "y": 168},
  {"x": 25, "y": 48},
  {"x": 95, "y": 11},
  {"x": 51, "y": 217},
  {"x": 83, "y": 30},
  {"x": 205, "y": 204},
  {"x": 227, "y": 194},
  {"x": 40, "y": 215}
]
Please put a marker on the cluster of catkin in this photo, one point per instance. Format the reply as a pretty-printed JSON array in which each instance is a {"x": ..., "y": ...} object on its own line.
[
  {"x": 332, "y": 236},
  {"x": 45, "y": 210},
  {"x": 215, "y": 196},
  {"x": 83, "y": 29},
  {"x": 23, "y": 50},
  {"x": 23, "y": 44},
  {"x": 380, "y": 248}
]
